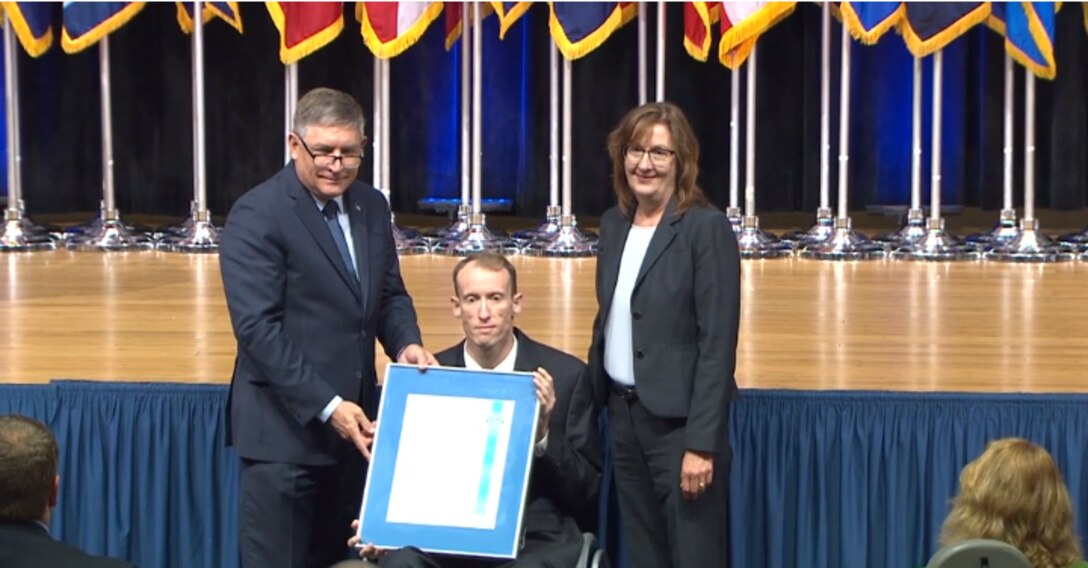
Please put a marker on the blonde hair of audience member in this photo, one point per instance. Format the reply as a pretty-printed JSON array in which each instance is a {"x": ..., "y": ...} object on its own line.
[{"x": 1014, "y": 493}]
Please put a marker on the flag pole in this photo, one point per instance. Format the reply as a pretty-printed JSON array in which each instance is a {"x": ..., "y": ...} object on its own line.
[
  {"x": 378, "y": 131},
  {"x": 750, "y": 138},
  {"x": 914, "y": 229},
  {"x": 569, "y": 241},
  {"x": 109, "y": 198},
  {"x": 19, "y": 233},
  {"x": 567, "y": 157},
  {"x": 290, "y": 100},
  {"x": 1031, "y": 245},
  {"x": 477, "y": 107},
  {"x": 753, "y": 241},
  {"x": 477, "y": 238},
  {"x": 407, "y": 241},
  {"x": 935, "y": 142},
  {"x": 659, "y": 77},
  {"x": 553, "y": 130},
  {"x": 202, "y": 235},
  {"x": 916, "y": 139},
  {"x": 552, "y": 215},
  {"x": 387, "y": 117},
  {"x": 1008, "y": 142},
  {"x": 936, "y": 244},
  {"x": 844, "y": 128},
  {"x": 468, "y": 28},
  {"x": 107, "y": 232},
  {"x": 824, "y": 212},
  {"x": 733, "y": 211},
  {"x": 825, "y": 222},
  {"x": 554, "y": 125},
  {"x": 1006, "y": 228},
  {"x": 1029, "y": 149},
  {"x": 642, "y": 71},
  {"x": 464, "y": 211},
  {"x": 844, "y": 243},
  {"x": 461, "y": 216}
]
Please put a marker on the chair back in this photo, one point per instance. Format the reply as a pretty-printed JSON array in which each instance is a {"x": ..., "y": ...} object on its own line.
[{"x": 979, "y": 553}]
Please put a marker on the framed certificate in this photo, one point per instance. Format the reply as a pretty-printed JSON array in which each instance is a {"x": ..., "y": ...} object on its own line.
[{"x": 449, "y": 471}]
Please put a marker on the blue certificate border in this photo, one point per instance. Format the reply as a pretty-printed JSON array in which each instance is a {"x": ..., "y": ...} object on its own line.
[{"x": 400, "y": 381}]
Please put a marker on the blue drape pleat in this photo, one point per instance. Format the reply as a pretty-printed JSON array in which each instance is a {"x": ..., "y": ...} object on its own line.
[
  {"x": 818, "y": 479},
  {"x": 145, "y": 474},
  {"x": 859, "y": 479},
  {"x": 36, "y": 401}
]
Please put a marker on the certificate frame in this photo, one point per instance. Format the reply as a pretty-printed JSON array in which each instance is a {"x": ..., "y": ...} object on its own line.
[{"x": 385, "y": 519}]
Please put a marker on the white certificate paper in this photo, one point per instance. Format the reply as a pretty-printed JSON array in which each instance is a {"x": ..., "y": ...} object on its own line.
[{"x": 450, "y": 461}]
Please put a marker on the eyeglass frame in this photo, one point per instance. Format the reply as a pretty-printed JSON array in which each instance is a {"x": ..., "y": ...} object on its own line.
[
  {"x": 333, "y": 157},
  {"x": 667, "y": 153}
]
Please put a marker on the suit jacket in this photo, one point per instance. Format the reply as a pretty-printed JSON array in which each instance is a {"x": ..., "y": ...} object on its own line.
[
  {"x": 685, "y": 314},
  {"x": 305, "y": 326},
  {"x": 28, "y": 545},
  {"x": 565, "y": 480}
]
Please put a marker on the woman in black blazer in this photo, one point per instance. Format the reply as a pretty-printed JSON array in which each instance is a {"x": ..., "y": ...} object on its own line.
[{"x": 664, "y": 343}]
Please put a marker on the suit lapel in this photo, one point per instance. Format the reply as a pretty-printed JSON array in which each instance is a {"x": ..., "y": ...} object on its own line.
[
  {"x": 357, "y": 218},
  {"x": 527, "y": 360},
  {"x": 663, "y": 237},
  {"x": 454, "y": 357},
  {"x": 311, "y": 218}
]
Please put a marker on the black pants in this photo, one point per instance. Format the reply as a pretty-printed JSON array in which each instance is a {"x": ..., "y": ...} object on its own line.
[
  {"x": 660, "y": 527},
  {"x": 296, "y": 516}
]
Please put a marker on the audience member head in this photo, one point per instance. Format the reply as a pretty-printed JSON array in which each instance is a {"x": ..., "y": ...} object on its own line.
[
  {"x": 655, "y": 155},
  {"x": 486, "y": 300},
  {"x": 28, "y": 470},
  {"x": 1014, "y": 493}
]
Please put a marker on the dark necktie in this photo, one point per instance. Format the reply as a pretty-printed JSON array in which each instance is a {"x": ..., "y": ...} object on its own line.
[{"x": 331, "y": 210}]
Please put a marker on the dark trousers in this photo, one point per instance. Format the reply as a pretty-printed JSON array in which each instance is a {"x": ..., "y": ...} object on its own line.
[
  {"x": 660, "y": 527},
  {"x": 296, "y": 516}
]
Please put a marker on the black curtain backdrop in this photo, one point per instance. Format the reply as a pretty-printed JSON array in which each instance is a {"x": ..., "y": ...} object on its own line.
[{"x": 152, "y": 115}]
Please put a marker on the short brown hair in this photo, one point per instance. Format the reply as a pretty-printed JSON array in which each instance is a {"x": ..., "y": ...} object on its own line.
[
  {"x": 28, "y": 467},
  {"x": 490, "y": 261},
  {"x": 636, "y": 126},
  {"x": 1014, "y": 493}
]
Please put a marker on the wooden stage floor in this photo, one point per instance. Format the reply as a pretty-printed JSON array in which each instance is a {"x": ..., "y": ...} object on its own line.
[{"x": 885, "y": 325}]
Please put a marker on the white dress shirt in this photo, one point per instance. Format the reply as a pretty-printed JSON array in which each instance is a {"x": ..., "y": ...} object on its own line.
[{"x": 619, "y": 361}]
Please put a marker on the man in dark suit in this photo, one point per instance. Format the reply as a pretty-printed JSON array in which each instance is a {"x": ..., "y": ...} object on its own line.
[
  {"x": 28, "y": 493},
  {"x": 566, "y": 470},
  {"x": 312, "y": 279},
  {"x": 664, "y": 343}
]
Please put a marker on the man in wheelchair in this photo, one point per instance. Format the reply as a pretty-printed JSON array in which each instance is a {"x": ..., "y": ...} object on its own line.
[{"x": 566, "y": 470}]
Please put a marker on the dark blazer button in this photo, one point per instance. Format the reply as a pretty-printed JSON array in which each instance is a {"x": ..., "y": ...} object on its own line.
[
  {"x": 639, "y": 354},
  {"x": 358, "y": 374},
  {"x": 636, "y": 315}
]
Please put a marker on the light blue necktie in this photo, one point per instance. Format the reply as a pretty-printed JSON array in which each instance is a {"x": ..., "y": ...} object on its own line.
[{"x": 332, "y": 210}]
